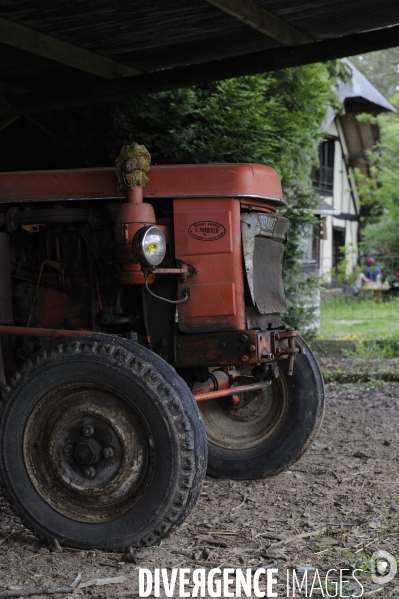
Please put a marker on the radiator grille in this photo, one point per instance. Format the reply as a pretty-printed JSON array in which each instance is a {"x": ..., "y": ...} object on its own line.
[
  {"x": 268, "y": 276},
  {"x": 263, "y": 242}
]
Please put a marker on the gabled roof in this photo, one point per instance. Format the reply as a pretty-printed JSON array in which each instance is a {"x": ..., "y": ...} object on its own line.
[
  {"x": 361, "y": 87},
  {"x": 359, "y": 95}
]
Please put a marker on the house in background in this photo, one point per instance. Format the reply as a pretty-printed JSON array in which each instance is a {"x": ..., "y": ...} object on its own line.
[{"x": 342, "y": 151}]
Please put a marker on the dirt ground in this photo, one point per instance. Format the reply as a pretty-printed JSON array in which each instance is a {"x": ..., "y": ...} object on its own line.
[{"x": 341, "y": 501}]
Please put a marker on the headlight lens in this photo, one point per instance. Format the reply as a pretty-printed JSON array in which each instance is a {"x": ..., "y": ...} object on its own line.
[{"x": 149, "y": 246}]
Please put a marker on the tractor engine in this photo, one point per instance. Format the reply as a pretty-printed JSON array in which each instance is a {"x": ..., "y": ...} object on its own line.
[
  {"x": 208, "y": 293},
  {"x": 142, "y": 345}
]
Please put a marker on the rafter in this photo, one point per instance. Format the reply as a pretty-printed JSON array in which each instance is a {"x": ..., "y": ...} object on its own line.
[
  {"x": 5, "y": 117},
  {"x": 179, "y": 77},
  {"x": 259, "y": 18},
  {"x": 25, "y": 38}
]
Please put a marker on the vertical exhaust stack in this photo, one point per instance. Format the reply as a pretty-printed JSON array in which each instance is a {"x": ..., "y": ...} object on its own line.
[{"x": 131, "y": 166}]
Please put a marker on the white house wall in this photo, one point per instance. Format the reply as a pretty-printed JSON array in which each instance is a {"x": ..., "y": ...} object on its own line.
[{"x": 344, "y": 200}]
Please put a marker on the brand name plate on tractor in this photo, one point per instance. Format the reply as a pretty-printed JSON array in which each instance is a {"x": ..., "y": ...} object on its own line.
[{"x": 207, "y": 230}]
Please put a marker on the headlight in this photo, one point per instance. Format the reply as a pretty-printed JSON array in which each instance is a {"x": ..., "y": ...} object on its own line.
[{"x": 149, "y": 246}]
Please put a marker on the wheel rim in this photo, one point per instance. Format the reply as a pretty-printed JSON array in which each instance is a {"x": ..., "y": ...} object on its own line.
[
  {"x": 249, "y": 424},
  {"x": 88, "y": 452}
]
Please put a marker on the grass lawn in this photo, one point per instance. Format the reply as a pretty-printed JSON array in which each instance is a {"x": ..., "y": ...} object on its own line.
[{"x": 359, "y": 317}]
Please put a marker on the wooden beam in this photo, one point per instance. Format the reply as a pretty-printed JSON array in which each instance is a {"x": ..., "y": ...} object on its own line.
[
  {"x": 5, "y": 117},
  {"x": 9, "y": 88},
  {"x": 33, "y": 41},
  {"x": 259, "y": 18},
  {"x": 5, "y": 121},
  {"x": 117, "y": 90}
]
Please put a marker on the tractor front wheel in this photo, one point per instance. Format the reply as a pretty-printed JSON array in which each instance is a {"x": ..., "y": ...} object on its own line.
[
  {"x": 270, "y": 429},
  {"x": 102, "y": 445}
]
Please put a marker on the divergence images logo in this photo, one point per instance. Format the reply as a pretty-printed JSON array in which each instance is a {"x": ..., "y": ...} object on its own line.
[
  {"x": 383, "y": 567},
  {"x": 207, "y": 230}
]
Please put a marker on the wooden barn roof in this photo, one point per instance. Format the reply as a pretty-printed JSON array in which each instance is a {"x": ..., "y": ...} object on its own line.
[{"x": 76, "y": 52}]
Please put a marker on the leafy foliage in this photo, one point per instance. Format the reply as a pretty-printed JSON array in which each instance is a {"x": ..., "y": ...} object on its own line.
[
  {"x": 300, "y": 287},
  {"x": 272, "y": 119},
  {"x": 380, "y": 236},
  {"x": 381, "y": 68}
]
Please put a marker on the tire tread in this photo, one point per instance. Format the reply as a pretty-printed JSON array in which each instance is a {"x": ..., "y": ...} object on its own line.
[{"x": 176, "y": 398}]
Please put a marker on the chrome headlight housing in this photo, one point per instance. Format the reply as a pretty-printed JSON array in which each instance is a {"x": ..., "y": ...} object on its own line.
[{"x": 149, "y": 246}]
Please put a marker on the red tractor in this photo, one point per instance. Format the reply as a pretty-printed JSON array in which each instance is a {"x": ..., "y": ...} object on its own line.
[{"x": 143, "y": 345}]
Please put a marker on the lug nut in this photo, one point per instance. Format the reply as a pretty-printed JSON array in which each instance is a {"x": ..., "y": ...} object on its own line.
[
  {"x": 68, "y": 450},
  {"x": 244, "y": 337},
  {"x": 244, "y": 359},
  {"x": 251, "y": 348},
  {"x": 88, "y": 430},
  {"x": 108, "y": 452},
  {"x": 89, "y": 472}
]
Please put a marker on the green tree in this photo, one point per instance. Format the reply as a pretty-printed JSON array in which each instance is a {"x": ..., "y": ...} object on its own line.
[
  {"x": 381, "y": 68},
  {"x": 273, "y": 119},
  {"x": 380, "y": 236}
]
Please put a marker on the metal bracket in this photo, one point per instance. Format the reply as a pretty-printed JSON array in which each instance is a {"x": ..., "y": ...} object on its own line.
[
  {"x": 184, "y": 270},
  {"x": 271, "y": 347}
]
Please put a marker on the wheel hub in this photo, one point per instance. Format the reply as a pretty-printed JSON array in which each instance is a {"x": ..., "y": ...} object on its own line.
[
  {"x": 249, "y": 423},
  {"x": 76, "y": 452},
  {"x": 88, "y": 452}
]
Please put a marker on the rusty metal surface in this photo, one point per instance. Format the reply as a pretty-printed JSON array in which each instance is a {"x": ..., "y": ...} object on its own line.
[
  {"x": 273, "y": 345},
  {"x": 288, "y": 334},
  {"x": 256, "y": 320},
  {"x": 15, "y": 218},
  {"x": 232, "y": 348},
  {"x": 64, "y": 308},
  {"x": 294, "y": 351},
  {"x": 39, "y": 332},
  {"x": 265, "y": 347},
  {"x": 130, "y": 217},
  {"x": 214, "y": 349},
  {"x": 208, "y": 236},
  {"x": 184, "y": 269},
  {"x": 69, "y": 283},
  {"x": 166, "y": 181},
  {"x": 218, "y": 379},
  {"x": 231, "y": 391}
]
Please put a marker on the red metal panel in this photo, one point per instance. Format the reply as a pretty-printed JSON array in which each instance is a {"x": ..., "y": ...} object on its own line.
[
  {"x": 193, "y": 180},
  {"x": 39, "y": 332},
  {"x": 178, "y": 180},
  {"x": 73, "y": 184},
  {"x": 208, "y": 236}
]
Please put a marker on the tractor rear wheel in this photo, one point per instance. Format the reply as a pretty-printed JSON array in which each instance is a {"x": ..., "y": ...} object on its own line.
[
  {"x": 102, "y": 445},
  {"x": 270, "y": 429}
]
